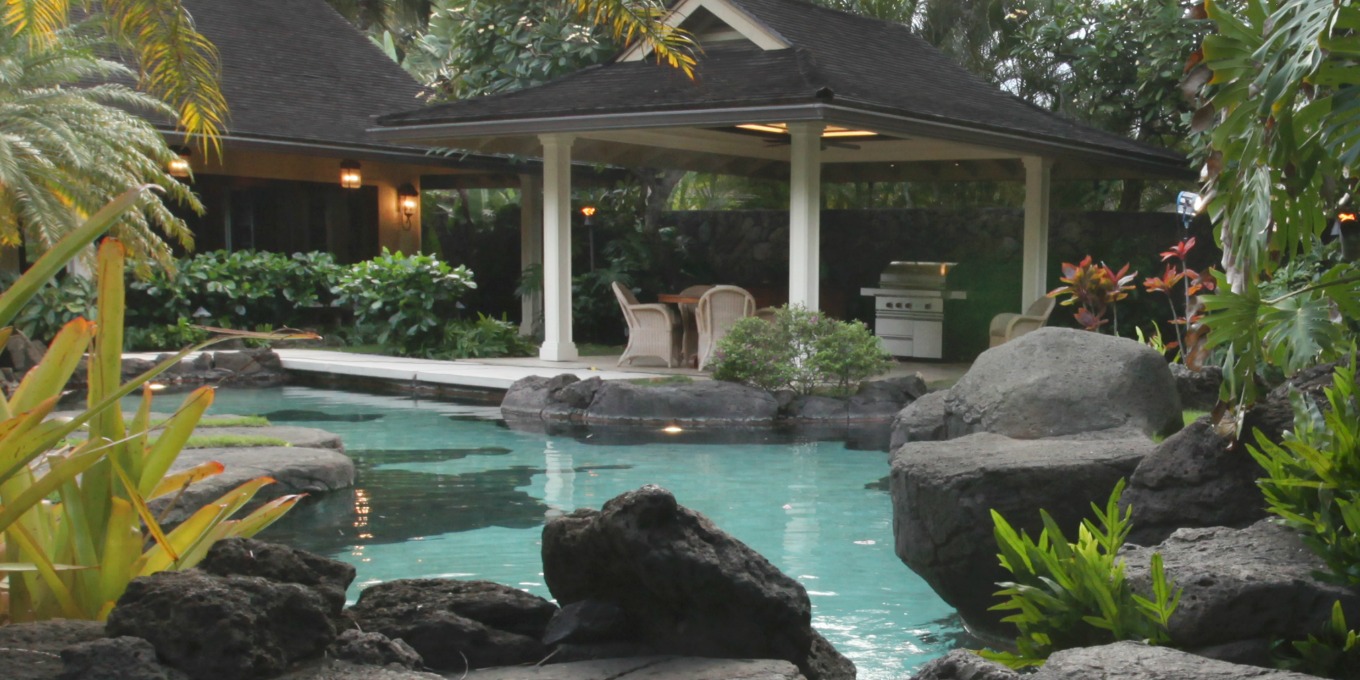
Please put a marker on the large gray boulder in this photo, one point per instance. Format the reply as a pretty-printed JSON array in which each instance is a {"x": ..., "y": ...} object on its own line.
[
  {"x": 684, "y": 586},
  {"x": 1243, "y": 589},
  {"x": 1058, "y": 381},
  {"x": 527, "y": 397},
  {"x": 224, "y": 627},
  {"x": 294, "y": 469},
  {"x": 943, "y": 494},
  {"x": 458, "y": 625},
  {"x": 1193, "y": 479},
  {"x": 1137, "y": 661},
  {"x": 119, "y": 658},
  {"x": 962, "y": 664},
  {"x": 1050, "y": 383}
]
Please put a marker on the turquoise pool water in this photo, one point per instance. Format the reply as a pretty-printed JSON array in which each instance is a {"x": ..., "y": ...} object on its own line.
[{"x": 446, "y": 490}]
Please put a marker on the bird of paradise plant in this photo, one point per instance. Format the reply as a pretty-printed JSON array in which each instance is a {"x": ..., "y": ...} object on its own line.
[
  {"x": 75, "y": 526},
  {"x": 1192, "y": 283},
  {"x": 1095, "y": 288}
]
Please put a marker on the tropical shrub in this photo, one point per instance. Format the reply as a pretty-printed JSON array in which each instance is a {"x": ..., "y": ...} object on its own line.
[
  {"x": 1068, "y": 595},
  {"x": 239, "y": 289},
  {"x": 404, "y": 301},
  {"x": 75, "y": 529},
  {"x": 1094, "y": 289},
  {"x": 799, "y": 350},
  {"x": 1334, "y": 654},
  {"x": 53, "y": 305},
  {"x": 485, "y": 337},
  {"x": 1191, "y": 283},
  {"x": 1313, "y": 478},
  {"x": 1279, "y": 123}
]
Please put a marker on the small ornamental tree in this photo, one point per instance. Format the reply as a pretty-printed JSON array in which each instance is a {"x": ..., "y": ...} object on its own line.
[{"x": 799, "y": 350}]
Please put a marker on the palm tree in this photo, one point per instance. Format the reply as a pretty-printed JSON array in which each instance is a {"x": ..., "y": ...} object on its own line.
[
  {"x": 173, "y": 61},
  {"x": 71, "y": 137}
]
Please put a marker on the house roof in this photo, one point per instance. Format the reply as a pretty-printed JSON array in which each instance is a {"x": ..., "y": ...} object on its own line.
[
  {"x": 837, "y": 67},
  {"x": 297, "y": 74}
]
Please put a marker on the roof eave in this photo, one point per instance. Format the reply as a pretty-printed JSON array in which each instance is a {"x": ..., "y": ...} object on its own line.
[{"x": 1138, "y": 164}]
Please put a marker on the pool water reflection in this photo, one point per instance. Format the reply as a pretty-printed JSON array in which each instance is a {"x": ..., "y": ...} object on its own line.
[{"x": 446, "y": 490}]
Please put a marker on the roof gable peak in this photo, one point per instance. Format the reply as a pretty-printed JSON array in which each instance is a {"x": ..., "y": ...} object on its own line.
[{"x": 714, "y": 21}]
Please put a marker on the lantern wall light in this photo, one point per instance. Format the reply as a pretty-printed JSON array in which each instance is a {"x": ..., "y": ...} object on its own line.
[
  {"x": 350, "y": 175},
  {"x": 179, "y": 165},
  {"x": 408, "y": 201}
]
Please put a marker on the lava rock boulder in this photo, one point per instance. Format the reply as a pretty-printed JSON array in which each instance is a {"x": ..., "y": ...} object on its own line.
[
  {"x": 683, "y": 585},
  {"x": 458, "y": 625}
]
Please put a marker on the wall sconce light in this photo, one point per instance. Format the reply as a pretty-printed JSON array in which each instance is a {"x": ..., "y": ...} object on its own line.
[
  {"x": 350, "y": 176},
  {"x": 408, "y": 201},
  {"x": 179, "y": 165}
]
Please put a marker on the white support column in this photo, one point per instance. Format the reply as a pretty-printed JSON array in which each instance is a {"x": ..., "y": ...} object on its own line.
[
  {"x": 805, "y": 208},
  {"x": 557, "y": 342},
  {"x": 1038, "y": 190},
  {"x": 531, "y": 250}
]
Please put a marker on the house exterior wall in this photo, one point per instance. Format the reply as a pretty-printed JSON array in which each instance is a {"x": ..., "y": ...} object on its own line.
[{"x": 395, "y": 232}]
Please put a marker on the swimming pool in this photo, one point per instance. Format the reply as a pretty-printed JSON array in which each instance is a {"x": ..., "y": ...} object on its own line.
[{"x": 446, "y": 490}]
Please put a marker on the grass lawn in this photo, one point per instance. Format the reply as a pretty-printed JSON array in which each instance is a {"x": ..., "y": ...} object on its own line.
[{"x": 217, "y": 441}]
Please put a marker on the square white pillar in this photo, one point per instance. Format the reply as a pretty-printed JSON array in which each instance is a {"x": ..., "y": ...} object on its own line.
[
  {"x": 531, "y": 250},
  {"x": 557, "y": 342},
  {"x": 1038, "y": 193},
  {"x": 805, "y": 208}
]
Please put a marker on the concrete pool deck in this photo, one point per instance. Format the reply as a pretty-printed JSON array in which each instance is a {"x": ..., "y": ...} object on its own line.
[{"x": 499, "y": 374}]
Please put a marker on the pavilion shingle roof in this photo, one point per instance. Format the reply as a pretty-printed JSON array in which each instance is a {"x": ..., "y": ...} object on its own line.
[
  {"x": 835, "y": 58},
  {"x": 296, "y": 70}
]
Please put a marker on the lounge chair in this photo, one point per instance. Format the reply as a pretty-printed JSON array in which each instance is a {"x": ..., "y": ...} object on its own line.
[
  {"x": 719, "y": 309},
  {"x": 1009, "y": 326},
  {"x": 653, "y": 330}
]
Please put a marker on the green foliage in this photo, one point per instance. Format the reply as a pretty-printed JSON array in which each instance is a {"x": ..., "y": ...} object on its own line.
[
  {"x": 239, "y": 289},
  {"x": 54, "y": 305},
  {"x": 1313, "y": 478},
  {"x": 76, "y": 529},
  {"x": 1094, "y": 289},
  {"x": 159, "y": 337},
  {"x": 485, "y": 337},
  {"x": 1336, "y": 654},
  {"x": 800, "y": 350},
  {"x": 1068, "y": 595},
  {"x": 1282, "y": 121},
  {"x": 476, "y": 47},
  {"x": 404, "y": 301}
]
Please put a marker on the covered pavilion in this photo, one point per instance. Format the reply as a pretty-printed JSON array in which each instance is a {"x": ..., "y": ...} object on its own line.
[{"x": 782, "y": 89}]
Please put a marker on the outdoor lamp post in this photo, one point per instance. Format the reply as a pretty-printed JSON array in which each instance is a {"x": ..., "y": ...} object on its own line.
[
  {"x": 589, "y": 211},
  {"x": 1347, "y": 227},
  {"x": 408, "y": 200},
  {"x": 350, "y": 175}
]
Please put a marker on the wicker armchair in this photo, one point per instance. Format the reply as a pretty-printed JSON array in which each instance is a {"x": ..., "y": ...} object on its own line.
[
  {"x": 719, "y": 309},
  {"x": 689, "y": 349},
  {"x": 1009, "y": 326},
  {"x": 652, "y": 329}
]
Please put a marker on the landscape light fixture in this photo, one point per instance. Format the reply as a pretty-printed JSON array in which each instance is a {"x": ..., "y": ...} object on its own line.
[
  {"x": 589, "y": 211},
  {"x": 178, "y": 166},
  {"x": 1188, "y": 204},
  {"x": 350, "y": 175},
  {"x": 408, "y": 200}
]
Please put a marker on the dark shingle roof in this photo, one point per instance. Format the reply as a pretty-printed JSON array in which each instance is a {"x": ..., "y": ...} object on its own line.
[
  {"x": 296, "y": 70},
  {"x": 836, "y": 58}
]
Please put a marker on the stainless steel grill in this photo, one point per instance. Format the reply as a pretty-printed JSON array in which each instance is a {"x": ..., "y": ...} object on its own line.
[{"x": 909, "y": 308}]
